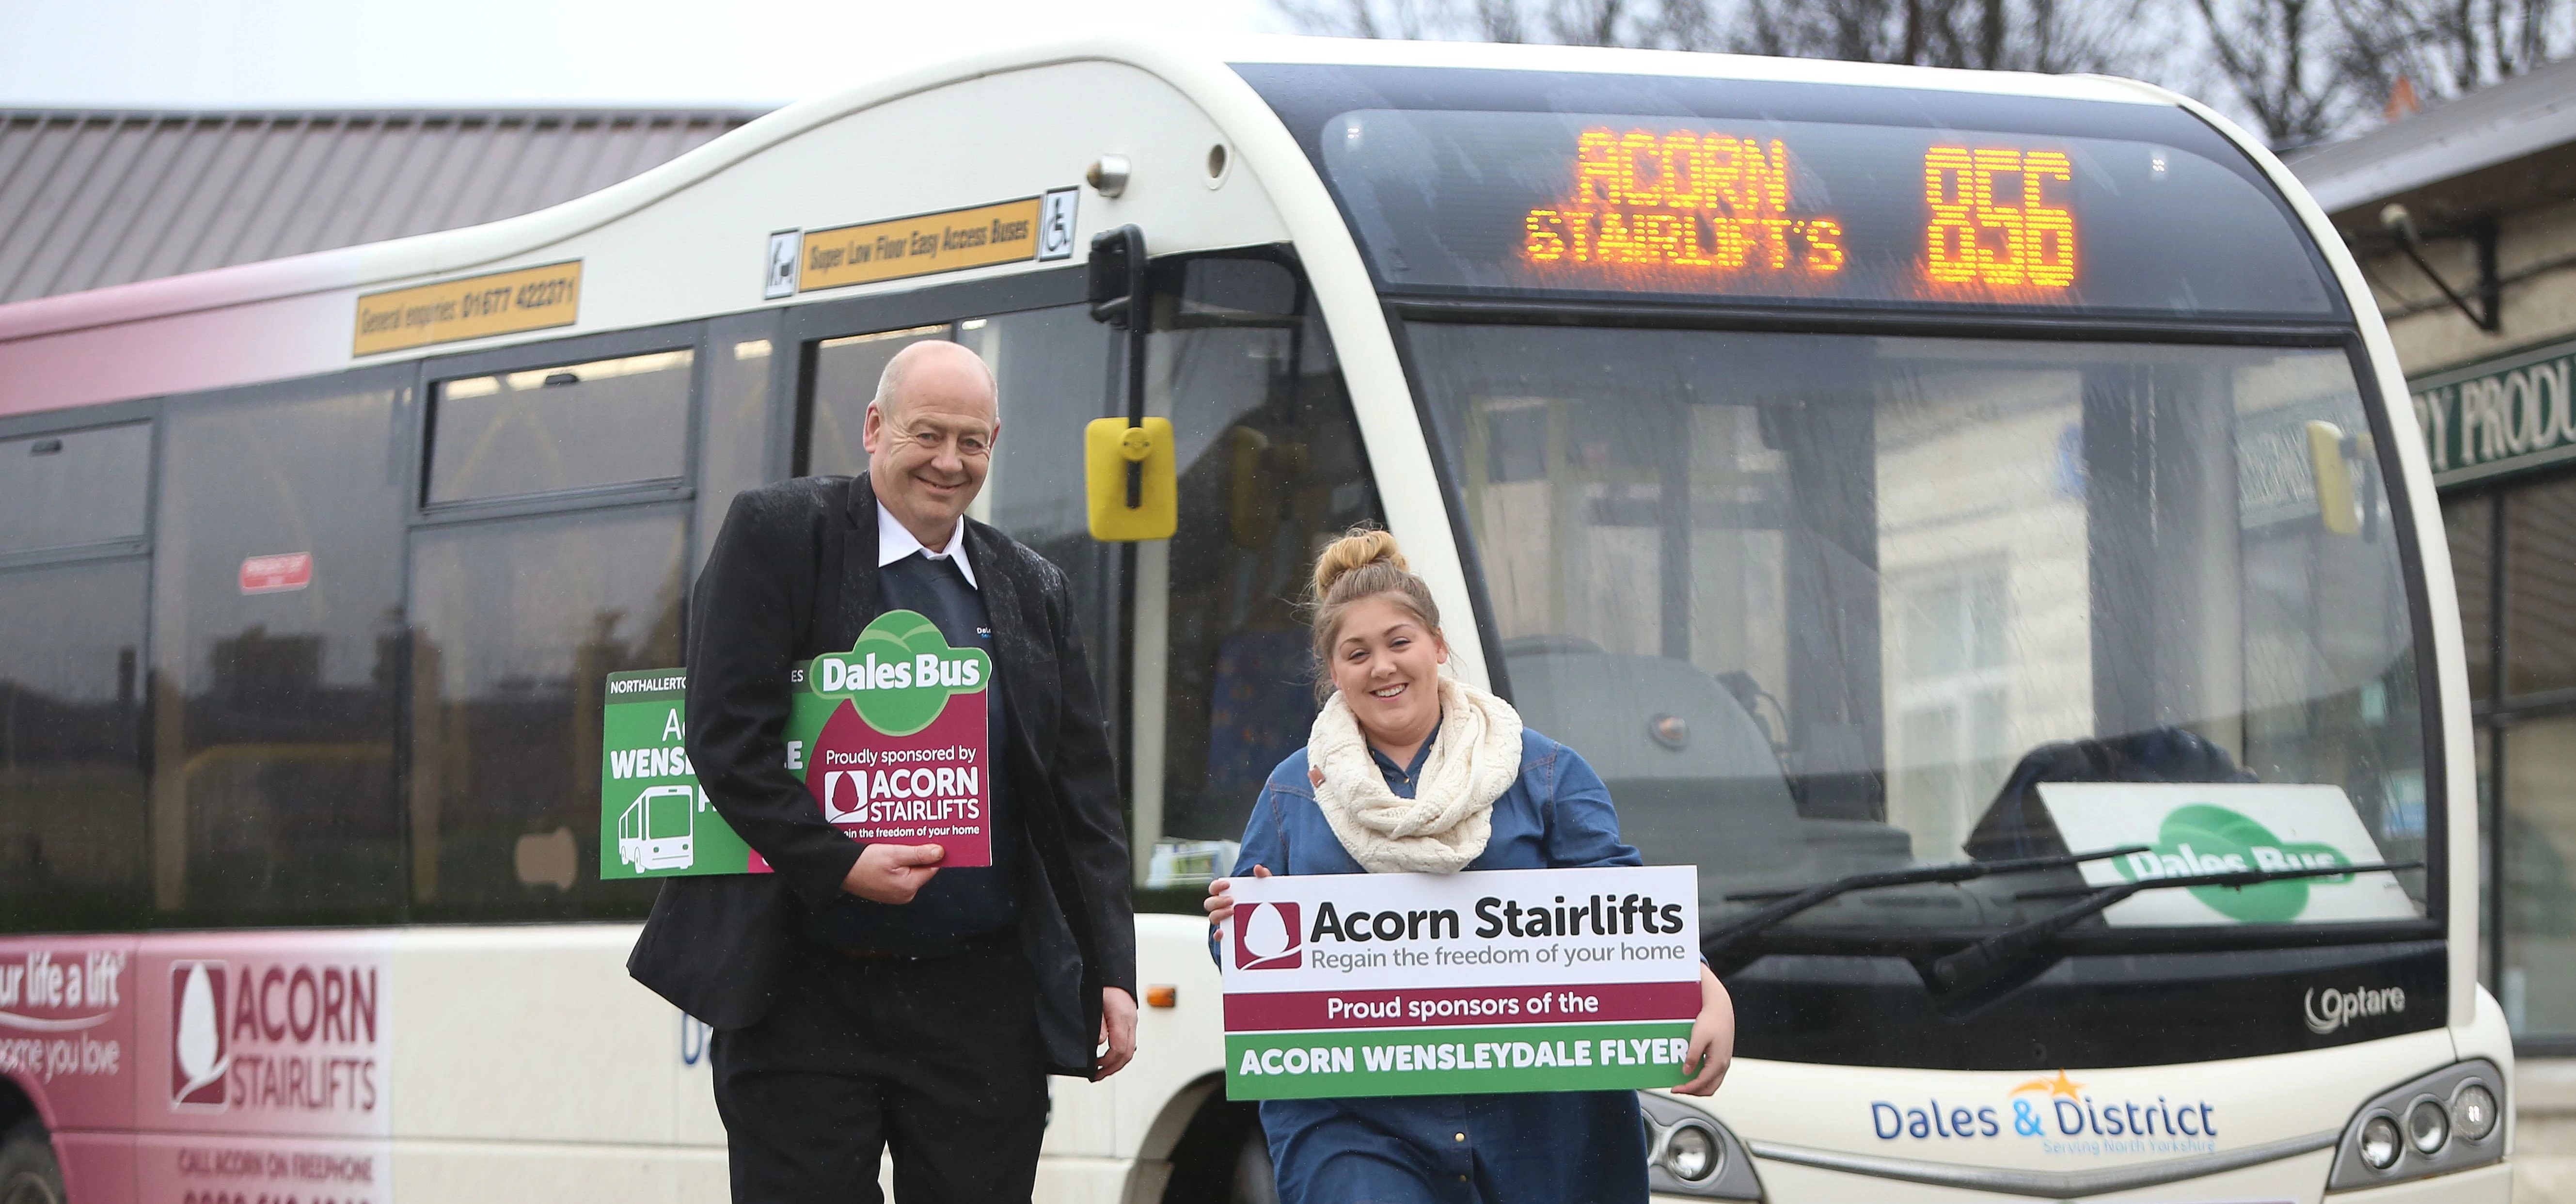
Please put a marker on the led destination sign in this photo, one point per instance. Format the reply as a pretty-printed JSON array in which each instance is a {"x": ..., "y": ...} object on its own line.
[
  {"x": 1846, "y": 212},
  {"x": 1720, "y": 205}
]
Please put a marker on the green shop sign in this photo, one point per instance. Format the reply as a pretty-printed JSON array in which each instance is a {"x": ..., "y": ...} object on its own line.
[{"x": 2502, "y": 416}]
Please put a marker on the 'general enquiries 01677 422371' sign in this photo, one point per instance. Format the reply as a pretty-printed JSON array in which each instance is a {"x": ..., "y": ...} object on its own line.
[
  {"x": 890, "y": 739},
  {"x": 1422, "y": 984}
]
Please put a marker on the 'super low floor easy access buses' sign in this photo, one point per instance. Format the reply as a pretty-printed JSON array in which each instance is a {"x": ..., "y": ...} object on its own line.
[
  {"x": 1422, "y": 984},
  {"x": 890, "y": 739}
]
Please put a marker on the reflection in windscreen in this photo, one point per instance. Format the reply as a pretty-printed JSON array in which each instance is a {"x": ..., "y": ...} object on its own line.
[{"x": 1821, "y": 604}]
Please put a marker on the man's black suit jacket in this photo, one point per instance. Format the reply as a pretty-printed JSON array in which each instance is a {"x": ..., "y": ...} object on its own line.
[{"x": 794, "y": 575}]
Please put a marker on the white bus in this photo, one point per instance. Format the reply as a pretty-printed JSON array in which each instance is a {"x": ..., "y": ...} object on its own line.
[{"x": 1973, "y": 518}]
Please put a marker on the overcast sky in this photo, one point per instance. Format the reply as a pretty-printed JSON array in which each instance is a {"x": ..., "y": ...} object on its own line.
[{"x": 323, "y": 53}]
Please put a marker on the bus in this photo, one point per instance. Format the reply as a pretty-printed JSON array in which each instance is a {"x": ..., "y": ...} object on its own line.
[{"x": 1973, "y": 518}]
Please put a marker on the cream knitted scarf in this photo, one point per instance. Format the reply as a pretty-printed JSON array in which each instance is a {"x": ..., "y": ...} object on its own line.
[{"x": 1450, "y": 817}]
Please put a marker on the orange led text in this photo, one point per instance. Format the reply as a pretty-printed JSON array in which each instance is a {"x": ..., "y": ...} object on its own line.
[
  {"x": 1699, "y": 201},
  {"x": 1985, "y": 231}
]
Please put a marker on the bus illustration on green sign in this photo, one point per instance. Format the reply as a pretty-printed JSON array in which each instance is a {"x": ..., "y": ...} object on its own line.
[{"x": 655, "y": 832}]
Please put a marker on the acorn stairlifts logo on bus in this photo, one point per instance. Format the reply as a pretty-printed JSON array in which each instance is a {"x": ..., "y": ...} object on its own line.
[
  {"x": 201, "y": 1050},
  {"x": 275, "y": 1037}
]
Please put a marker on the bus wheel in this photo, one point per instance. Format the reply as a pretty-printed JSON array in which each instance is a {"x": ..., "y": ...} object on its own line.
[
  {"x": 1253, "y": 1181},
  {"x": 29, "y": 1174}
]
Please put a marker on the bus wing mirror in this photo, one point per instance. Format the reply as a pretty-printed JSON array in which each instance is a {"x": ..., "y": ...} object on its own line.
[
  {"x": 1117, "y": 290},
  {"x": 1129, "y": 474},
  {"x": 2331, "y": 454},
  {"x": 1128, "y": 463}
]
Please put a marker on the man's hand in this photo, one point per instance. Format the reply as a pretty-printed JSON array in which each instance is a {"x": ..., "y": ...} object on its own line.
[
  {"x": 1712, "y": 1039},
  {"x": 1219, "y": 903},
  {"x": 1117, "y": 1032},
  {"x": 894, "y": 873}
]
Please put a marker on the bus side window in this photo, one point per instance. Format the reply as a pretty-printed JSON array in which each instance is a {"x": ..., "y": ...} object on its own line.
[
  {"x": 1270, "y": 468},
  {"x": 72, "y": 846},
  {"x": 277, "y": 625},
  {"x": 1052, "y": 369},
  {"x": 518, "y": 615}
]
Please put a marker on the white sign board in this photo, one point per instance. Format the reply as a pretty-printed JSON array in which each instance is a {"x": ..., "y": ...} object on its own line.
[
  {"x": 1500, "y": 980},
  {"x": 2194, "y": 828}
]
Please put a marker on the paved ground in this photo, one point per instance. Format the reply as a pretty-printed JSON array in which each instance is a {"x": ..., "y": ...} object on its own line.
[{"x": 2544, "y": 1135}]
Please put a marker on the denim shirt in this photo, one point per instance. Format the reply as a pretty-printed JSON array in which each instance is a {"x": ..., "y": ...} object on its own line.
[{"x": 1545, "y": 1148}]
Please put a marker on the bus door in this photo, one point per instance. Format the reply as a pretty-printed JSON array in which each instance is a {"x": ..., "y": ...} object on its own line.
[{"x": 1270, "y": 468}]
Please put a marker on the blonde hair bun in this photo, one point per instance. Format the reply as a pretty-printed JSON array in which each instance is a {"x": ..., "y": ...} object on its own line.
[
  {"x": 1355, "y": 550},
  {"x": 1364, "y": 563}
]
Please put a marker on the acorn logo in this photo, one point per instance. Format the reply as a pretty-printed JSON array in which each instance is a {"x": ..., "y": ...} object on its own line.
[
  {"x": 199, "y": 1041},
  {"x": 1265, "y": 937}
]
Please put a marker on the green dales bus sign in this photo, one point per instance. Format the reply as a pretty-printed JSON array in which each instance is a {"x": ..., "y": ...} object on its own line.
[
  {"x": 1420, "y": 984},
  {"x": 889, "y": 738},
  {"x": 2501, "y": 416},
  {"x": 2193, "y": 828}
]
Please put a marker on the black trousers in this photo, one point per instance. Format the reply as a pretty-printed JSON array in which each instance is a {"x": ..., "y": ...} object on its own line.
[{"x": 939, "y": 1060}]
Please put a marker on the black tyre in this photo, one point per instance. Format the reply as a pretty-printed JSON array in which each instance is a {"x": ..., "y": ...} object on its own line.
[{"x": 29, "y": 1172}]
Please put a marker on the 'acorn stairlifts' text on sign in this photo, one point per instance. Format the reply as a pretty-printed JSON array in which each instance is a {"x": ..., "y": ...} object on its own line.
[
  {"x": 890, "y": 739},
  {"x": 1495, "y": 981}
]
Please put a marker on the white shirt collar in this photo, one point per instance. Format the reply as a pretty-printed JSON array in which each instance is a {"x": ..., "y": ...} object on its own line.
[{"x": 894, "y": 542}]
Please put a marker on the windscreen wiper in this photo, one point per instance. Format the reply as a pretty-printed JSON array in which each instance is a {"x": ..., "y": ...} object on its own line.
[
  {"x": 1734, "y": 932},
  {"x": 1973, "y": 977}
]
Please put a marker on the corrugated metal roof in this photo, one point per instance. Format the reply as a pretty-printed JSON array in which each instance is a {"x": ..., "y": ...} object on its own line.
[
  {"x": 2527, "y": 115},
  {"x": 90, "y": 199}
]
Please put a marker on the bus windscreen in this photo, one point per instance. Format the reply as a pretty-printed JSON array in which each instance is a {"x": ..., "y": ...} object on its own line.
[{"x": 1509, "y": 183}]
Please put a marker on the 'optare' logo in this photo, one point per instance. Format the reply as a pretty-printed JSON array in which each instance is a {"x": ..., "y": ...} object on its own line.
[
  {"x": 200, "y": 1044},
  {"x": 1265, "y": 937}
]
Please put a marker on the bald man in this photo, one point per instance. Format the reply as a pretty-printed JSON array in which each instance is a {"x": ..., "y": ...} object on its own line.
[{"x": 865, "y": 997}]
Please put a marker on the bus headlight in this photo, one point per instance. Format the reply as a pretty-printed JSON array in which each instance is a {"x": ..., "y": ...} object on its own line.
[
  {"x": 2449, "y": 1120},
  {"x": 2474, "y": 1111},
  {"x": 1690, "y": 1153},
  {"x": 2379, "y": 1142},
  {"x": 2428, "y": 1126}
]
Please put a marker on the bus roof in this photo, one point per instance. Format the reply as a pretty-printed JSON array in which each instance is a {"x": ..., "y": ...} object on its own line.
[{"x": 1198, "y": 68}]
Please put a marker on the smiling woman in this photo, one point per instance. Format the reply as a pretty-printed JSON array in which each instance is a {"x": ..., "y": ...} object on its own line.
[{"x": 1408, "y": 770}]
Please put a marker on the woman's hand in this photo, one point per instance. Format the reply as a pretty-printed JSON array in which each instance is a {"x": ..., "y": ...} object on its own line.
[
  {"x": 1712, "y": 1039},
  {"x": 1220, "y": 900}
]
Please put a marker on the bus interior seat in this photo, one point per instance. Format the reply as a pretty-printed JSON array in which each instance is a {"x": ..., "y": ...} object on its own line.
[
  {"x": 1715, "y": 796},
  {"x": 2017, "y": 824},
  {"x": 1261, "y": 704}
]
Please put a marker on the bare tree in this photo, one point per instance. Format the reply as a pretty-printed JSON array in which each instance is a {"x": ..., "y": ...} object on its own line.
[
  {"x": 2301, "y": 71},
  {"x": 2446, "y": 48},
  {"x": 2031, "y": 35},
  {"x": 2280, "y": 58},
  {"x": 2019, "y": 35},
  {"x": 1652, "y": 24}
]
